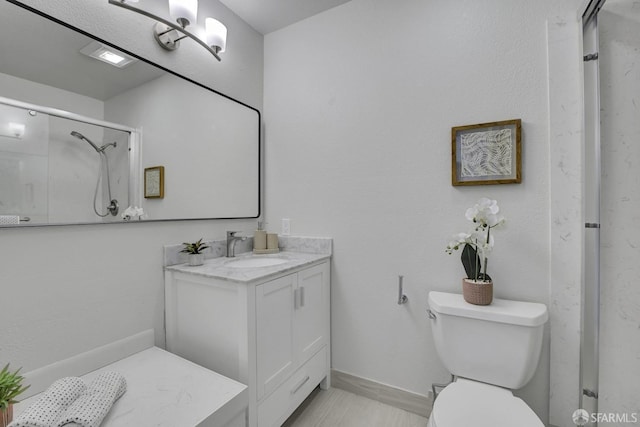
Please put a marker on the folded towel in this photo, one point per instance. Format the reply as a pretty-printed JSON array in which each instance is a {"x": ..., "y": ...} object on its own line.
[
  {"x": 9, "y": 219},
  {"x": 52, "y": 404},
  {"x": 94, "y": 404}
]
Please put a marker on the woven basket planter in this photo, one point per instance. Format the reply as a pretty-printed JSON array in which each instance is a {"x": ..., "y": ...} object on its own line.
[
  {"x": 478, "y": 293},
  {"x": 6, "y": 416}
]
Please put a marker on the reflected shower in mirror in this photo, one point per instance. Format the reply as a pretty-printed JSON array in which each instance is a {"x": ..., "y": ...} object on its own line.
[
  {"x": 113, "y": 206},
  {"x": 50, "y": 172},
  {"x": 76, "y": 132}
]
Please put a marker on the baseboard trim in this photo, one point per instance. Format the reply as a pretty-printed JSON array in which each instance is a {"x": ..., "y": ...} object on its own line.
[{"x": 406, "y": 400}]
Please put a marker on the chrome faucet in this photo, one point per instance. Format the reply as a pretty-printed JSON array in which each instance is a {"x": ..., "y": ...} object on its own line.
[{"x": 231, "y": 242}]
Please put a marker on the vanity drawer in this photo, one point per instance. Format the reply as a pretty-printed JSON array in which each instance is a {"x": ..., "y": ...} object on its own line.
[{"x": 288, "y": 396}]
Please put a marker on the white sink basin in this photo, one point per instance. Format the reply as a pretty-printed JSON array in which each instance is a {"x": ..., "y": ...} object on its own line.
[{"x": 255, "y": 262}]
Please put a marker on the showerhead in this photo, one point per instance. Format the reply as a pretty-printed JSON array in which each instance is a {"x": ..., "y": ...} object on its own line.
[
  {"x": 81, "y": 136},
  {"x": 95, "y": 147}
]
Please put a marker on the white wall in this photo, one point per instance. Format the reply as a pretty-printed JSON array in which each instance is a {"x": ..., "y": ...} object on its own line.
[
  {"x": 359, "y": 105},
  {"x": 67, "y": 289},
  {"x": 221, "y": 142},
  {"x": 49, "y": 96},
  {"x": 620, "y": 203}
]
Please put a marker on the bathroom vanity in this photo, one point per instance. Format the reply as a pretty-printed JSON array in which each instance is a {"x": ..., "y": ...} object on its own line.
[{"x": 260, "y": 320}]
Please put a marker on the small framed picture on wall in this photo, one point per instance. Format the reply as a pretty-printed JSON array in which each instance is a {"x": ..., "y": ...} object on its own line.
[
  {"x": 487, "y": 153},
  {"x": 154, "y": 182}
]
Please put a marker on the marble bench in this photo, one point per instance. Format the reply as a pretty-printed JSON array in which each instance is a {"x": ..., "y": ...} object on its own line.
[{"x": 162, "y": 389}]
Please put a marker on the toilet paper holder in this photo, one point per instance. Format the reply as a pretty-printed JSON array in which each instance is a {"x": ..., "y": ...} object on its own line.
[{"x": 402, "y": 298}]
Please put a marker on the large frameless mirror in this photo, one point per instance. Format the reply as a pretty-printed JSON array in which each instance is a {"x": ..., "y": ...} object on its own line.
[{"x": 77, "y": 134}]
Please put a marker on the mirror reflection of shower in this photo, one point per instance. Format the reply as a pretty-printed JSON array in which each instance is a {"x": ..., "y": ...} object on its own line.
[{"x": 113, "y": 207}]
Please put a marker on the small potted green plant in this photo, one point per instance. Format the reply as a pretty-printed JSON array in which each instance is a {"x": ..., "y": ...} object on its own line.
[
  {"x": 194, "y": 251},
  {"x": 10, "y": 387}
]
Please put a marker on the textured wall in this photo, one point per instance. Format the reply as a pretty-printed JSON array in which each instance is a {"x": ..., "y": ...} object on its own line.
[
  {"x": 221, "y": 141},
  {"x": 566, "y": 216},
  {"x": 620, "y": 206},
  {"x": 359, "y": 104}
]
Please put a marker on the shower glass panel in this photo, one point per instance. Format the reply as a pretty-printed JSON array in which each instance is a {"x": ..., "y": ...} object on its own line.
[
  {"x": 610, "y": 362},
  {"x": 589, "y": 338},
  {"x": 24, "y": 154},
  {"x": 63, "y": 179},
  {"x": 78, "y": 174}
]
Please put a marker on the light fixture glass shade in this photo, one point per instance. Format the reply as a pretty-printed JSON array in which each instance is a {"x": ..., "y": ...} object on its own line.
[
  {"x": 216, "y": 34},
  {"x": 184, "y": 10}
]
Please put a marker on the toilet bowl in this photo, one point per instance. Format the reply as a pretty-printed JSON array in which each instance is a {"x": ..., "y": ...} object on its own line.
[
  {"x": 471, "y": 403},
  {"x": 491, "y": 350}
]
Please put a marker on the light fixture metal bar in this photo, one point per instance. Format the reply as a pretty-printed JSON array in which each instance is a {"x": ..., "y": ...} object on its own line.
[{"x": 175, "y": 26}]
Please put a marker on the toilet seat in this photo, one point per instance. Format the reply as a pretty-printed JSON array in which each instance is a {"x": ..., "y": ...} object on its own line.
[{"x": 471, "y": 403}]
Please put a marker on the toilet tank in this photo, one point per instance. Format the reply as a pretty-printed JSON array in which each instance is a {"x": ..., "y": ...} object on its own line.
[{"x": 498, "y": 344}]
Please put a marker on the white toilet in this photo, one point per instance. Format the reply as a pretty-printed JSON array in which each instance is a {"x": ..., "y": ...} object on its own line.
[{"x": 491, "y": 350}]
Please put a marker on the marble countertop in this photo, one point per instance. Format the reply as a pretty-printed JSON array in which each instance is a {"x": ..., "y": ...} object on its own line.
[
  {"x": 166, "y": 390},
  {"x": 218, "y": 268}
]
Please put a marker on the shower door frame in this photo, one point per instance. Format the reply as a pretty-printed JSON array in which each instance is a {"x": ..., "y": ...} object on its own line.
[{"x": 590, "y": 298}]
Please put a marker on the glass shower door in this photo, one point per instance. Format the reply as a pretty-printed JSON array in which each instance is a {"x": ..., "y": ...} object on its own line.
[
  {"x": 610, "y": 354},
  {"x": 24, "y": 152},
  {"x": 589, "y": 339},
  {"x": 62, "y": 168}
]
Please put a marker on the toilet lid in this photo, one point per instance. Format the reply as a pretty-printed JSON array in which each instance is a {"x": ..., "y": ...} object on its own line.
[{"x": 470, "y": 403}]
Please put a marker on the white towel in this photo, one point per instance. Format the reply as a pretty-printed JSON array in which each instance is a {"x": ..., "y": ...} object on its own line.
[
  {"x": 95, "y": 403},
  {"x": 9, "y": 219},
  {"x": 46, "y": 411}
]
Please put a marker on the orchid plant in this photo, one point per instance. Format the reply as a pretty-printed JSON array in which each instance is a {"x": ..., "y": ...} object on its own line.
[
  {"x": 133, "y": 212},
  {"x": 478, "y": 242}
]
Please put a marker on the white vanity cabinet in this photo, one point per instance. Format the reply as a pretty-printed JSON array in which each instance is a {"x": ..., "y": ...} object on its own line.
[{"x": 271, "y": 334}]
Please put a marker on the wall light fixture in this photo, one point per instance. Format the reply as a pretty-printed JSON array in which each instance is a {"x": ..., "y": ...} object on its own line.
[
  {"x": 184, "y": 12},
  {"x": 13, "y": 130}
]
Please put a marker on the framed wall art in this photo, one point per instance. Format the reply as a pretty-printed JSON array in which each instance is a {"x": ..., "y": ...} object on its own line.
[
  {"x": 487, "y": 153},
  {"x": 154, "y": 182}
]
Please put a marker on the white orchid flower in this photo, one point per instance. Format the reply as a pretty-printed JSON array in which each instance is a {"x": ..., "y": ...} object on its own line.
[
  {"x": 132, "y": 212},
  {"x": 485, "y": 246},
  {"x": 485, "y": 215},
  {"x": 458, "y": 239}
]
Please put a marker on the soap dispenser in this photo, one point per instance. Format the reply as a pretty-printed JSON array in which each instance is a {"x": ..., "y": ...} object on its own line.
[{"x": 259, "y": 238}]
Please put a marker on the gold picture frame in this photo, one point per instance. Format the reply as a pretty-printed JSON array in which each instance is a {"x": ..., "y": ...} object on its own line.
[
  {"x": 487, "y": 153},
  {"x": 154, "y": 182}
]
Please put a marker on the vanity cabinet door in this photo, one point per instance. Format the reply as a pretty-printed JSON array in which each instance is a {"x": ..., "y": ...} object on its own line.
[
  {"x": 311, "y": 311},
  {"x": 275, "y": 332}
]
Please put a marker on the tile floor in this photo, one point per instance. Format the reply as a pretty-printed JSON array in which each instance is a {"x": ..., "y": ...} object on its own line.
[{"x": 339, "y": 408}]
